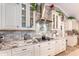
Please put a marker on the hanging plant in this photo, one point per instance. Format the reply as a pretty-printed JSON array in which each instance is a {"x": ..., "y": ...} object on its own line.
[
  {"x": 71, "y": 17},
  {"x": 34, "y": 6}
]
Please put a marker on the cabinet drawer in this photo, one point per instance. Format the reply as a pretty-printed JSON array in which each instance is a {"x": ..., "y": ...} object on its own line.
[
  {"x": 45, "y": 44},
  {"x": 5, "y": 53},
  {"x": 22, "y": 49},
  {"x": 18, "y": 50}
]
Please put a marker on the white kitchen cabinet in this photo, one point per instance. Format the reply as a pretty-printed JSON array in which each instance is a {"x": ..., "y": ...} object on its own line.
[
  {"x": 37, "y": 49},
  {"x": 56, "y": 20},
  {"x": 17, "y": 16},
  {"x": 47, "y": 48},
  {"x": 72, "y": 40},
  {"x": 23, "y": 51},
  {"x": 44, "y": 51},
  {"x": 0, "y": 15},
  {"x": 5, "y": 53},
  {"x": 60, "y": 46},
  {"x": 27, "y": 17},
  {"x": 52, "y": 48},
  {"x": 57, "y": 46},
  {"x": 69, "y": 25},
  {"x": 10, "y": 16}
]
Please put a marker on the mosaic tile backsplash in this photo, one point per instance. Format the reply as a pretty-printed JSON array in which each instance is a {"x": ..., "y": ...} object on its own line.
[
  {"x": 19, "y": 35},
  {"x": 15, "y": 35}
]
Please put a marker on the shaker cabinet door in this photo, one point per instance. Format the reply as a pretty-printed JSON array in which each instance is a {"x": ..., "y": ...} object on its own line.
[
  {"x": 10, "y": 16},
  {"x": 0, "y": 15},
  {"x": 37, "y": 50}
]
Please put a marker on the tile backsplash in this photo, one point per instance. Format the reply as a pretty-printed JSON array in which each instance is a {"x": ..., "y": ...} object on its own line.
[
  {"x": 15, "y": 35},
  {"x": 19, "y": 35}
]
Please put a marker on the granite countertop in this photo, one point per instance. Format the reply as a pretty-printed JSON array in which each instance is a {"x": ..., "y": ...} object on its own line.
[
  {"x": 14, "y": 44},
  {"x": 19, "y": 43}
]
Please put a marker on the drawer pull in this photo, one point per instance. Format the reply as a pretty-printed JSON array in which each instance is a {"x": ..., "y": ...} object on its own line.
[
  {"x": 49, "y": 49},
  {"x": 24, "y": 49},
  {"x": 38, "y": 45},
  {"x": 49, "y": 55},
  {"x": 48, "y": 43}
]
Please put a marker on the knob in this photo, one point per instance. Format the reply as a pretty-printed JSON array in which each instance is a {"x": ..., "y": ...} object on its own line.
[{"x": 39, "y": 45}]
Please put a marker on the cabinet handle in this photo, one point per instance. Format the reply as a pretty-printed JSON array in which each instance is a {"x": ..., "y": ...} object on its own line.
[
  {"x": 49, "y": 55},
  {"x": 48, "y": 43},
  {"x": 49, "y": 49},
  {"x": 38, "y": 45},
  {"x": 24, "y": 49}
]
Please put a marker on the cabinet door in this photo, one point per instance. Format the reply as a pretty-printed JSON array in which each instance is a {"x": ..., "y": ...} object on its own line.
[
  {"x": 56, "y": 20},
  {"x": 37, "y": 50},
  {"x": 52, "y": 48},
  {"x": 23, "y": 51},
  {"x": 5, "y": 53},
  {"x": 18, "y": 16},
  {"x": 63, "y": 47},
  {"x": 44, "y": 51},
  {"x": 10, "y": 16},
  {"x": 27, "y": 16},
  {"x": 60, "y": 46},
  {"x": 0, "y": 15},
  {"x": 57, "y": 48}
]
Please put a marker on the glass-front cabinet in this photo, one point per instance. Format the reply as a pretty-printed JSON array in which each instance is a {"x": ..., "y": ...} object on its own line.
[
  {"x": 28, "y": 17},
  {"x": 56, "y": 20}
]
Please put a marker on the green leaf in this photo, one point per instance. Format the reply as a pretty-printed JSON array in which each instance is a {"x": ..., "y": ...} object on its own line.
[
  {"x": 34, "y": 6},
  {"x": 59, "y": 11},
  {"x": 71, "y": 17}
]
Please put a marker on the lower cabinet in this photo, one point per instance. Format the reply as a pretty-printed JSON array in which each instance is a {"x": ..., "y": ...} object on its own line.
[
  {"x": 48, "y": 48},
  {"x": 23, "y": 51},
  {"x": 5, "y": 53},
  {"x": 60, "y": 46},
  {"x": 72, "y": 40},
  {"x": 37, "y": 50}
]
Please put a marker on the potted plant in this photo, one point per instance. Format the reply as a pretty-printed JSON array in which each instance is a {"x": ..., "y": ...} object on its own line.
[
  {"x": 71, "y": 17},
  {"x": 34, "y": 6}
]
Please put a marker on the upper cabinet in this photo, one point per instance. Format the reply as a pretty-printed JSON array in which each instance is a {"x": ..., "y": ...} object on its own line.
[
  {"x": 10, "y": 16},
  {"x": 17, "y": 16},
  {"x": 0, "y": 16},
  {"x": 69, "y": 24},
  {"x": 21, "y": 16},
  {"x": 28, "y": 17},
  {"x": 56, "y": 20}
]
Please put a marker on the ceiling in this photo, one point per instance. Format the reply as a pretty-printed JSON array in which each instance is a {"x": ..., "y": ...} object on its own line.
[{"x": 70, "y": 9}]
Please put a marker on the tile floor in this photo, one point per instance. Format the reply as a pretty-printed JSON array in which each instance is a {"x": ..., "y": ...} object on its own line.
[{"x": 70, "y": 51}]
